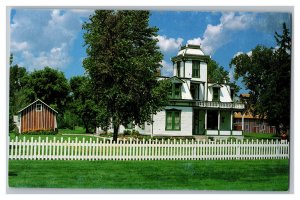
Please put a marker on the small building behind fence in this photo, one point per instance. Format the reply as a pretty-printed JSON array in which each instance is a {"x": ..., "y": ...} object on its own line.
[{"x": 37, "y": 116}]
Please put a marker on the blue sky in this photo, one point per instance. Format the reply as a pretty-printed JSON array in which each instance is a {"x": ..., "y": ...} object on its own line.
[{"x": 53, "y": 37}]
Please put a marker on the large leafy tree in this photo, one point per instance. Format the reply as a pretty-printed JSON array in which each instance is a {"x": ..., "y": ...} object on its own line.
[
  {"x": 267, "y": 74},
  {"x": 51, "y": 86},
  {"x": 122, "y": 62}
]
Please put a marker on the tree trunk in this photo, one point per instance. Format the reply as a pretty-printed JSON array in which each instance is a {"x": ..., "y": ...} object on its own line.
[
  {"x": 115, "y": 134},
  {"x": 86, "y": 128},
  {"x": 278, "y": 131}
]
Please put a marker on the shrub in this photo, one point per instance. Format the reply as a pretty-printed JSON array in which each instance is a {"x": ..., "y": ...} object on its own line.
[
  {"x": 40, "y": 132},
  {"x": 127, "y": 132},
  {"x": 135, "y": 133}
]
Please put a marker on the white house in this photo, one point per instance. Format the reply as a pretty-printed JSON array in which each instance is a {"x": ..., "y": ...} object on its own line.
[{"x": 196, "y": 107}]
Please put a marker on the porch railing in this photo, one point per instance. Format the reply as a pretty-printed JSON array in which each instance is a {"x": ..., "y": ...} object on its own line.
[{"x": 216, "y": 104}]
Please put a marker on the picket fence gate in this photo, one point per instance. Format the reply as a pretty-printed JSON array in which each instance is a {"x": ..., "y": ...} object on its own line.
[{"x": 34, "y": 149}]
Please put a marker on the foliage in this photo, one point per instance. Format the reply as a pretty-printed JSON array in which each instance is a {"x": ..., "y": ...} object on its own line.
[
  {"x": 126, "y": 132},
  {"x": 51, "y": 86},
  {"x": 122, "y": 62},
  {"x": 40, "y": 132},
  {"x": 69, "y": 119},
  {"x": 267, "y": 74},
  {"x": 217, "y": 74},
  {"x": 83, "y": 104},
  {"x": 17, "y": 90}
]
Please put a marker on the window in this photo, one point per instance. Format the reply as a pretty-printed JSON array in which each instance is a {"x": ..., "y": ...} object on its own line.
[
  {"x": 216, "y": 94},
  {"x": 196, "y": 69},
  {"x": 173, "y": 119},
  {"x": 246, "y": 127},
  {"x": 195, "y": 91},
  {"x": 176, "y": 91},
  {"x": 38, "y": 107},
  {"x": 178, "y": 69}
]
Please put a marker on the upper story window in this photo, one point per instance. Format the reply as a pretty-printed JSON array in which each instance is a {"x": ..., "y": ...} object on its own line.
[
  {"x": 196, "y": 69},
  {"x": 176, "y": 91},
  {"x": 216, "y": 94},
  {"x": 178, "y": 68},
  {"x": 195, "y": 91},
  {"x": 38, "y": 107}
]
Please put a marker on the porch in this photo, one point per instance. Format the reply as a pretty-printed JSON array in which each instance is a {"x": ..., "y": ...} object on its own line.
[{"x": 214, "y": 123}]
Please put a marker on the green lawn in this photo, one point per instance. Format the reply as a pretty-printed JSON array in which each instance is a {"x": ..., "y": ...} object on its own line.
[
  {"x": 51, "y": 137},
  {"x": 249, "y": 175},
  {"x": 78, "y": 133},
  {"x": 260, "y": 136},
  {"x": 77, "y": 130}
]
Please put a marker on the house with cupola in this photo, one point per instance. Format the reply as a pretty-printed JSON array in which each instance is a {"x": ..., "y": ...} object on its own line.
[{"x": 196, "y": 106}]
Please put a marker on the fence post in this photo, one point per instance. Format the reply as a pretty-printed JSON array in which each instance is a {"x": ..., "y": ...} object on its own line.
[
  {"x": 11, "y": 149},
  {"x": 43, "y": 151},
  {"x": 238, "y": 150},
  {"x": 34, "y": 149},
  {"x": 16, "y": 148},
  {"x": 23, "y": 149}
]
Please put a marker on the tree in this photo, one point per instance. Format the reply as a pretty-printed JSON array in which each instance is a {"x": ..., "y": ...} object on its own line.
[
  {"x": 267, "y": 74},
  {"x": 83, "y": 104},
  {"x": 122, "y": 62},
  {"x": 17, "y": 92},
  {"x": 217, "y": 74},
  {"x": 51, "y": 86}
]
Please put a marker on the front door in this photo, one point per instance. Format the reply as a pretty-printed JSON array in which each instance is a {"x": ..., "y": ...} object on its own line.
[{"x": 198, "y": 122}]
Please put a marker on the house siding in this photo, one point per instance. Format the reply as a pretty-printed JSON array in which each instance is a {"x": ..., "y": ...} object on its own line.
[{"x": 185, "y": 123}]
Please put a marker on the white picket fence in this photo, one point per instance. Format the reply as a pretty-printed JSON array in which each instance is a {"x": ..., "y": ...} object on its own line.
[{"x": 145, "y": 150}]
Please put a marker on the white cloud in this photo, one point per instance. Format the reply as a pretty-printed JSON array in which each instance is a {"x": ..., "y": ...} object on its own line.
[
  {"x": 237, "y": 54},
  {"x": 167, "y": 69},
  {"x": 42, "y": 37},
  {"x": 195, "y": 41},
  {"x": 19, "y": 46},
  {"x": 57, "y": 57},
  {"x": 249, "y": 53},
  {"x": 215, "y": 36},
  {"x": 169, "y": 44}
]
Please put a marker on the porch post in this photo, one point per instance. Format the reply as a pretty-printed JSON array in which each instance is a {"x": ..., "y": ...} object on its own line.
[
  {"x": 231, "y": 124},
  {"x": 152, "y": 126},
  {"x": 205, "y": 119},
  {"x": 243, "y": 114},
  {"x": 219, "y": 122}
]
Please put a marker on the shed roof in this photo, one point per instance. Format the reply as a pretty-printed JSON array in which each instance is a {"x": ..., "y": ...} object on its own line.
[
  {"x": 247, "y": 115},
  {"x": 34, "y": 103}
]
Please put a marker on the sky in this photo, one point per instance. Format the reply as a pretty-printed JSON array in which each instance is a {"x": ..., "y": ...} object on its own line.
[{"x": 54, "y": 37}]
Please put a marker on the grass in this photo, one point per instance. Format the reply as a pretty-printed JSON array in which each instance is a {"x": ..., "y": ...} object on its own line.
[
  {"x": 77, "y": 130},
  {"x": 79, "y": 133},
  {"x": 260, "y": 136},
  {"x": 61, "y": 134},
  {"x": 246, "y": 175}
]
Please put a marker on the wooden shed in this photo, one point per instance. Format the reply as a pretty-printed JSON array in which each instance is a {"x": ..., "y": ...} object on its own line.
[{"x": 37, "y": 116}]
